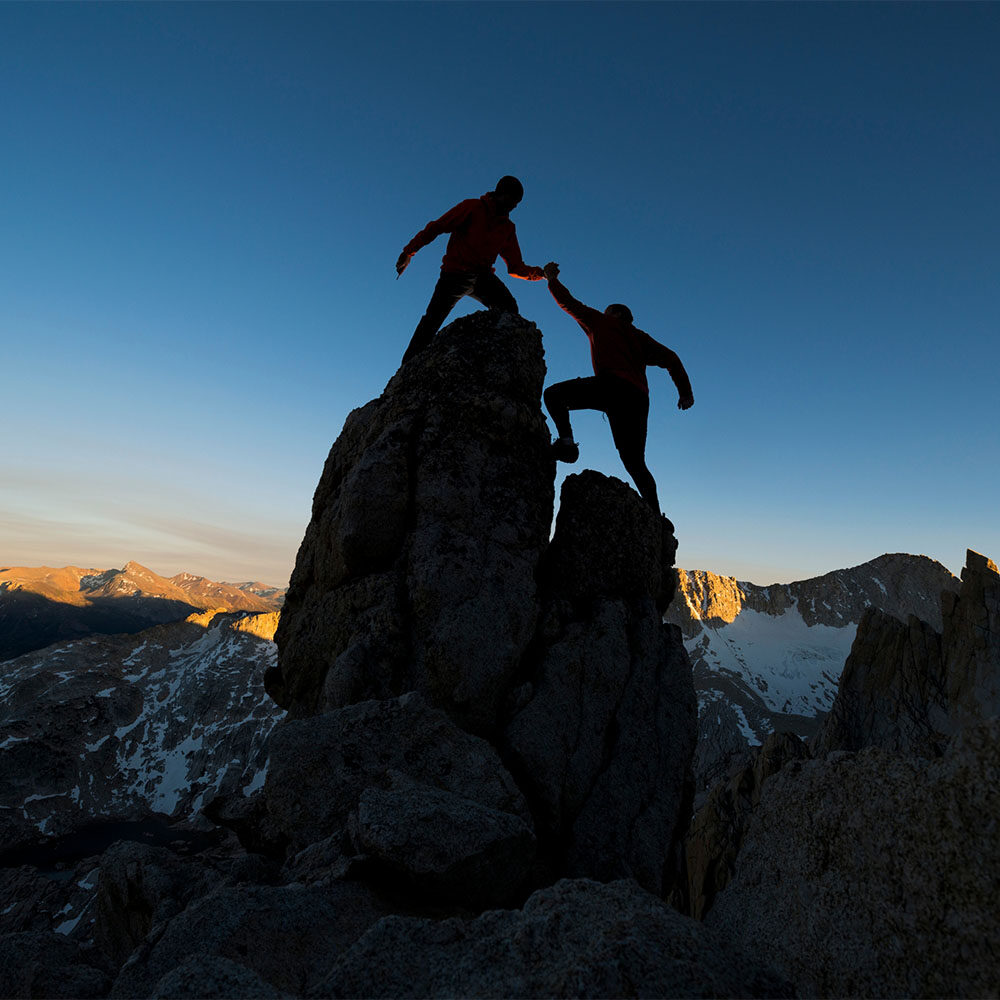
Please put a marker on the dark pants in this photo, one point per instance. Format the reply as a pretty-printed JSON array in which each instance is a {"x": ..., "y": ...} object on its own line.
[
  {"x": 483, "y": 286},
  {"x": 627, "y": 407}
]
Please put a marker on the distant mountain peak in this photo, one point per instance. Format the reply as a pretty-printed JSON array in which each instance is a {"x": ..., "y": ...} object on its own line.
[{"x": 133, "y": 568}]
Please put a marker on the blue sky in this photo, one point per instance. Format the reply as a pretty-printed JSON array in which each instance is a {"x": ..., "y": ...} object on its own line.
[{"x": 203, "y": 204}]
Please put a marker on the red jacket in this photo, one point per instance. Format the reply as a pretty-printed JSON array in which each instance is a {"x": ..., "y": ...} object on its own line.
[
  {"x": 478, "y": 234},
  {"x": 619, "y": 348}
]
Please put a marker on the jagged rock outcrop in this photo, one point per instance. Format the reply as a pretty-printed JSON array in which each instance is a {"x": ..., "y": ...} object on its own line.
[
  {"x": 124, "y": 727},
  {"x": 892, "y": 693},
  {"x": 910, "y": 688},
  {"x": 575, "y": 939},
  {"x": 883, "y": 869},
  {"x": 970, "y": 642},
  {"x": 417, "y": 571},
  {"x": 603, "y": 741},
  {"x": 287, "y": 935},
  {"x": 717, "y": 829}
]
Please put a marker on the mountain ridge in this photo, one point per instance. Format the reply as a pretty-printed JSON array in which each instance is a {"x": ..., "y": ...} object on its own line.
[
  {"x": 768, "y": 659},
  {"x": 709, "y": 595},
  {"x": 42, "y": 605}
]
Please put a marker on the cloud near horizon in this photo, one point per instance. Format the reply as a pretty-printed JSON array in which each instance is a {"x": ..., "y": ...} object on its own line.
[{"x": 167, "y": 545}]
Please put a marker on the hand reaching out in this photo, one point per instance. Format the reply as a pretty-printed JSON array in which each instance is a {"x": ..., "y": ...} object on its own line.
[
  {"x": 551, "y": 270},
  {"x": 685, "y": 402},
  {"x": 401, "y": 264}
]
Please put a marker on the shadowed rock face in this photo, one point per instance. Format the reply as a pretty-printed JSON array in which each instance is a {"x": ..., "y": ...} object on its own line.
[
  {"x": 417, "y": 571},
  {"x": 442, "y": 844},
  {"x": 970, "y": 642},
  {"x": 717, "y": 830},
  {"x": 605, "y": 737},
  {"x": 574, "y": 939},
  {"x": 321, "y": 766},
  {"x": 288, "y": 935},
  {"x": 46, "y": 964},
  {"x": 892, "y": 692},
  {"x": 884, "y": 869}
]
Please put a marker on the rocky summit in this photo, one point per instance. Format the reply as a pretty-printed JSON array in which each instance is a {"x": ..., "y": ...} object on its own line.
[
  {"x": 475, "y": 709},
  {"x": 473, "y": 774},
  {"x": 428, "y": 596}
]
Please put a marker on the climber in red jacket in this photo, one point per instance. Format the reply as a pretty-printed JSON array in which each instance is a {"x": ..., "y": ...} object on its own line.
[
  {"x": 480, "y": 230},
  {"x": 620, "y": 353}
]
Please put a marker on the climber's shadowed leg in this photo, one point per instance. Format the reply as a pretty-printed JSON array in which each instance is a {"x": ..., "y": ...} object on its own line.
[
  {"x": 627, "y": 408},
  {"x": 483, "y": 286}
]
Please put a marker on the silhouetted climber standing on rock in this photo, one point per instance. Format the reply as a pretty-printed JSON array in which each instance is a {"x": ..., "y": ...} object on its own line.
[
  {"x": 620, "y": 353},
  {"x": 480, "y": 230}
]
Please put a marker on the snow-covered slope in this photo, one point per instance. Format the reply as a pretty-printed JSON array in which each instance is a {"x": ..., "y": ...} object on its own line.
[
  {"x": 125, "y": 727},
  {"x": 790, "y": 667}
]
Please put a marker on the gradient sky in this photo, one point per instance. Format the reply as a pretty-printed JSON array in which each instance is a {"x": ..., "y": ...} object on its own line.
[{"x": 203, "y": 204}]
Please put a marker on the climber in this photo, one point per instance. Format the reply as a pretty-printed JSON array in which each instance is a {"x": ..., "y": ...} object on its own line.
[
  {"x": 620, "y": 353},
  {"x": 480, "y": 230}
]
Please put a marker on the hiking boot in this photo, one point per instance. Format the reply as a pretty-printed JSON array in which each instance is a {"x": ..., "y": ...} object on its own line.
[{"x": 565, "y": 450}]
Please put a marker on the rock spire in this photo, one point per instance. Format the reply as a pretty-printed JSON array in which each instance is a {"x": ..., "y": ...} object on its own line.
[{"x": 428, "y": 597}]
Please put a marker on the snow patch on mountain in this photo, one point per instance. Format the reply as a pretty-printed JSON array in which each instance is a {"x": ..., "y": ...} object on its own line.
[
  {"x": 793, "y": 666},
  {"x": 128, "y": 726}
]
